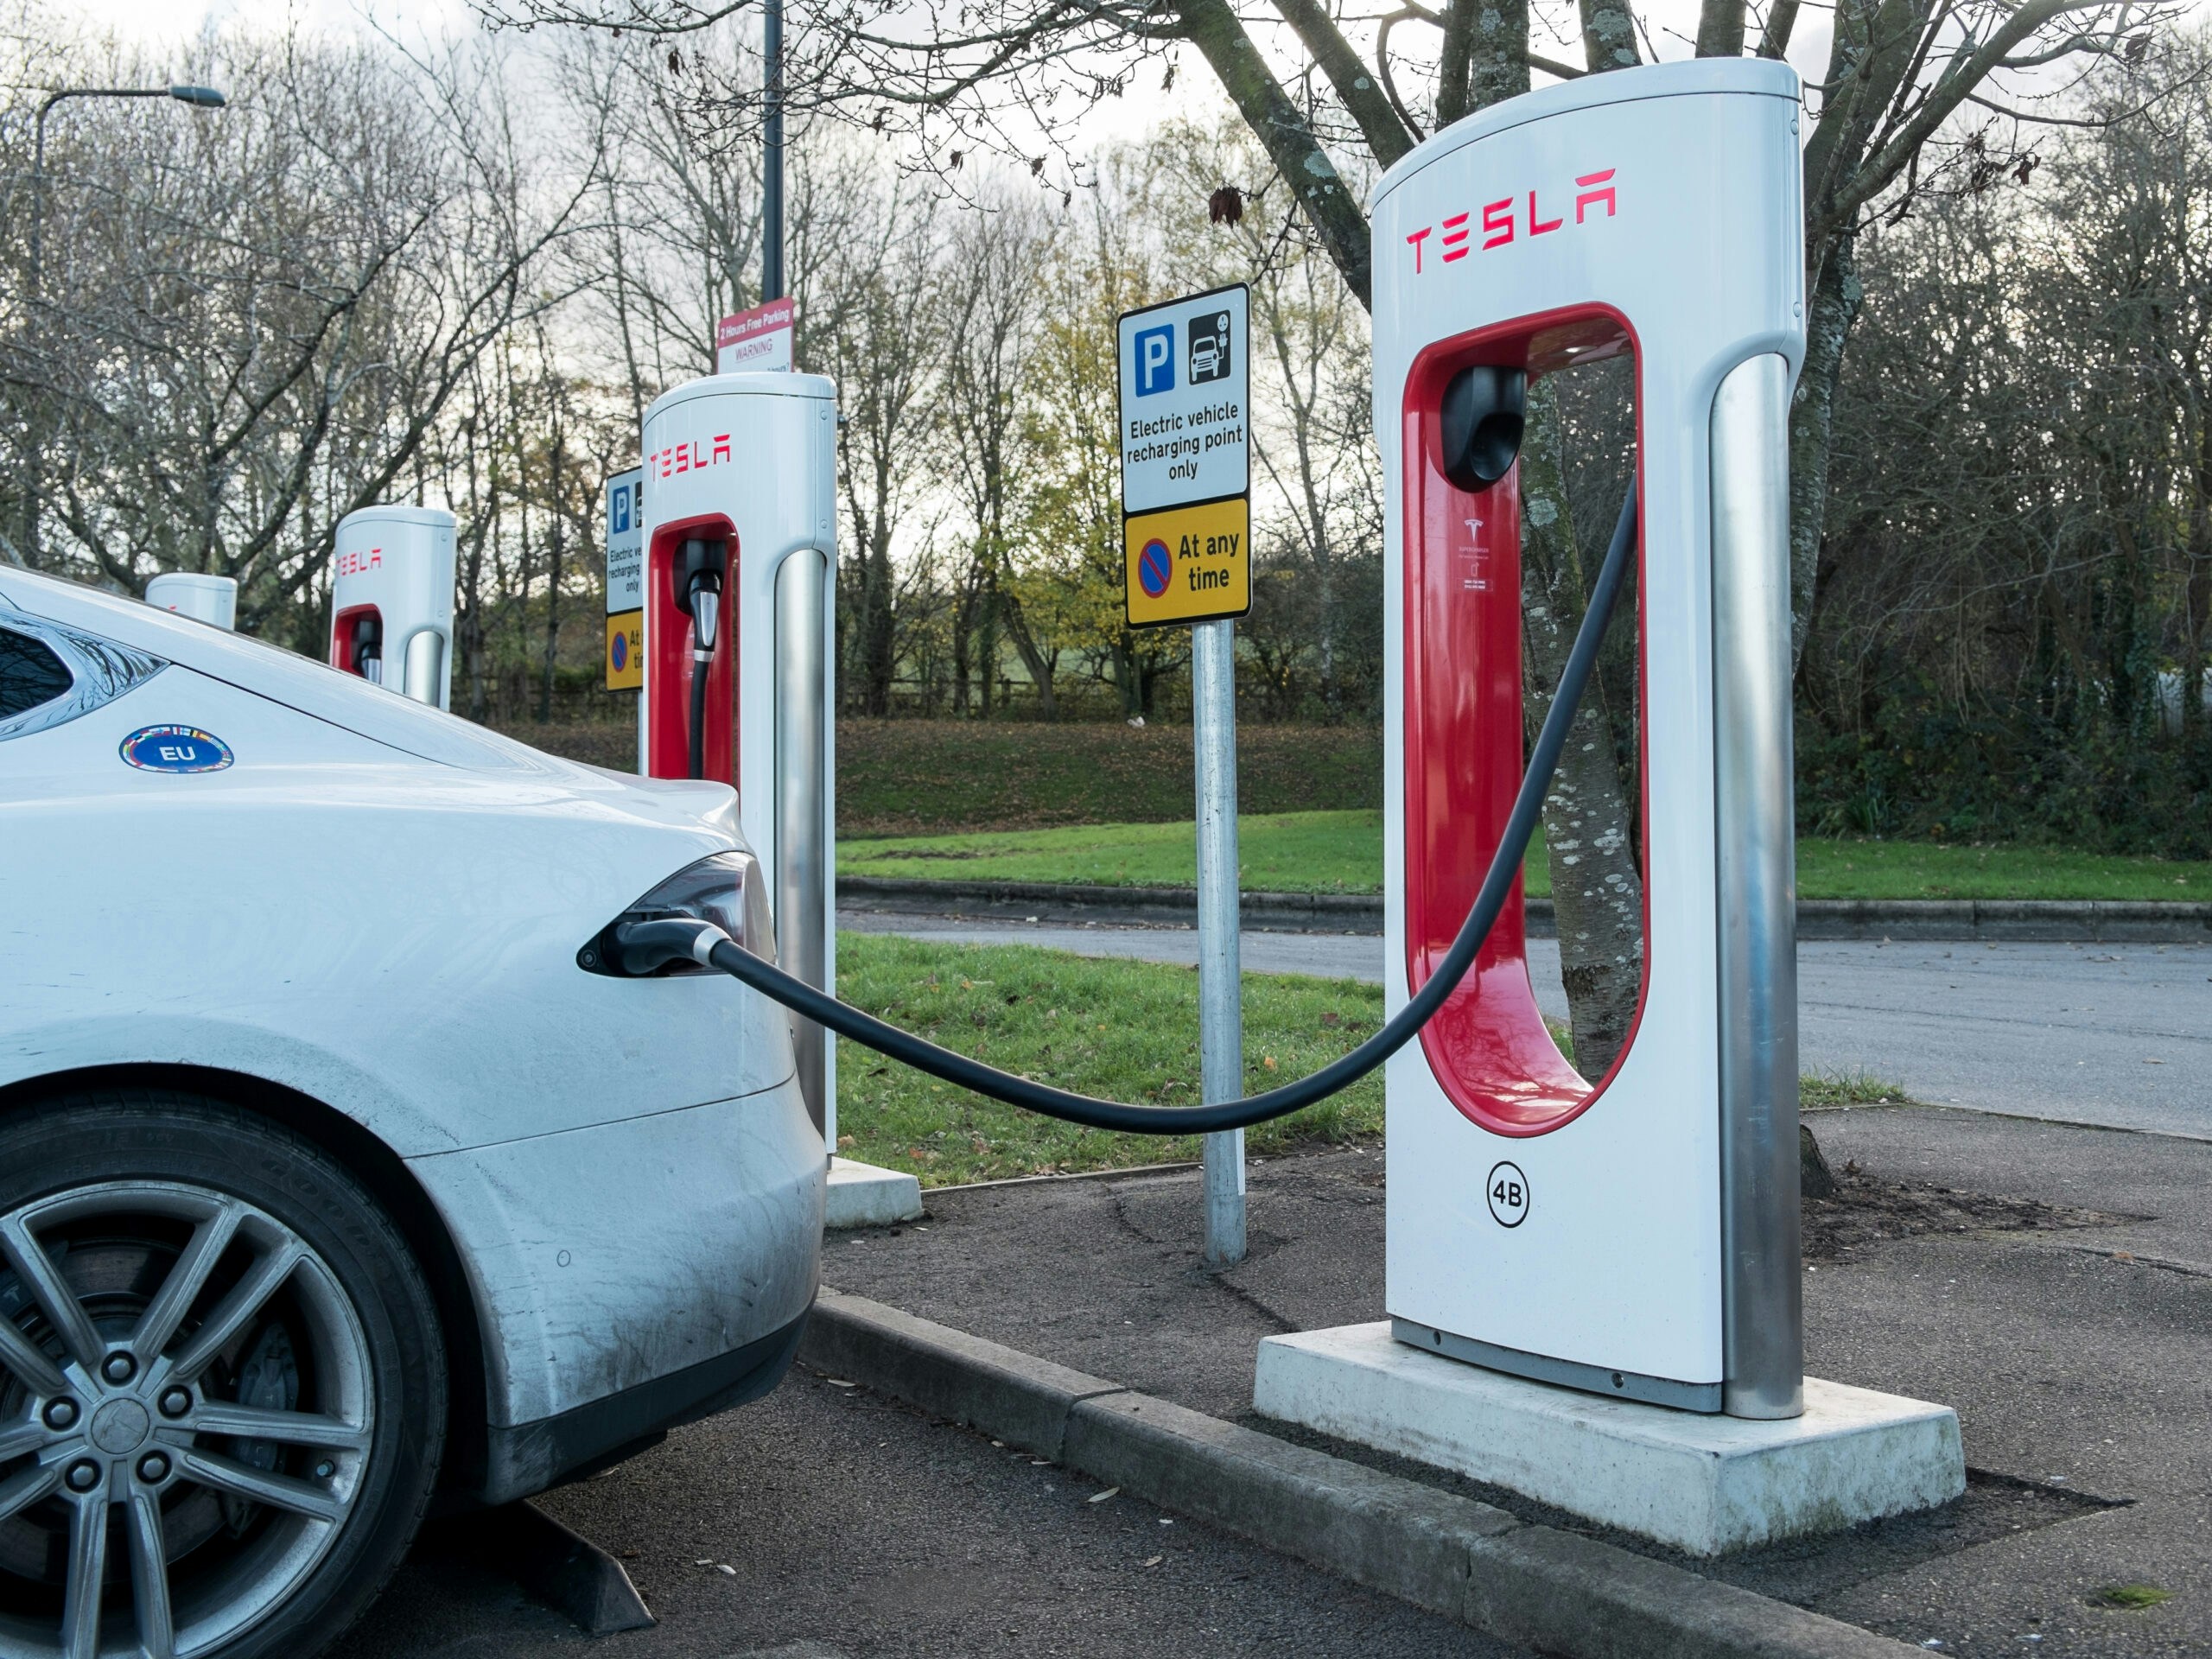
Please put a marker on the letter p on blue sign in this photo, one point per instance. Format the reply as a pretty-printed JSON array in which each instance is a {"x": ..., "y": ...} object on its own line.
[{"x": 1155, "y": 365}]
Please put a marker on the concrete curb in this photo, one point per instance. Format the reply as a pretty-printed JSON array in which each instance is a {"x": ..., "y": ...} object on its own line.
[
  {"x": 2086, "y": 921},
  {"x": 1467, "y": 1560}
]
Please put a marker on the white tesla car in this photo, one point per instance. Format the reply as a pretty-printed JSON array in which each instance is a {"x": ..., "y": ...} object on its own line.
[{"x": 335, "y": 1179}]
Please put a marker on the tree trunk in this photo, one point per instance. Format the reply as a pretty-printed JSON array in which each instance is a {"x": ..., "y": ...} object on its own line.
[
  {"x": 554, "y": 573},
  {"x": 1596, "y": 891},
  {"x": 1834, "y": 306}
]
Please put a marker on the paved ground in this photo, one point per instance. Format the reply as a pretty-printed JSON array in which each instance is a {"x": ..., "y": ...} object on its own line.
[
  {"x": 825, "y": 1524},
  {"x": 2079, "y": 1358},
  {"x": 2112, "y": 1035}
]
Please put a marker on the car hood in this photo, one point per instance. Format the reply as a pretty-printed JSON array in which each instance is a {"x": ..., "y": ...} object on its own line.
[{"x": 355, "y": 705}]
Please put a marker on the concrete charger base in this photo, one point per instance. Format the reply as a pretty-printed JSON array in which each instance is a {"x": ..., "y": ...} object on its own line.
[
  {"x": 861, "y": 1195},
  {"x": 1703, "y": 1484}
]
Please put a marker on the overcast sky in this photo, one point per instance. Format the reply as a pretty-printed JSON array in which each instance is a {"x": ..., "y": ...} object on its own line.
[{"x": 1668, "y": 24}]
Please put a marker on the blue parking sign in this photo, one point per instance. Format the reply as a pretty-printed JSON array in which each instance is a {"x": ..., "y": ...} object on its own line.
[
  {"x": 1155, "y": 359},
  {"x": 619, "y": 509}
]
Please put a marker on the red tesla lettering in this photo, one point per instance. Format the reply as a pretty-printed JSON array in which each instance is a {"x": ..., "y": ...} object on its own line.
[
  {"x": 683, "y": 457},
  {"x": 1498, "y": 229},
  {"x": 722, "y": 447},
  {"x": 1417, "y": 238},
  {"x": 1455, "y": 238},
  {"x": 1589, "y": 197},
  {"x": 1538, "y": 227}
]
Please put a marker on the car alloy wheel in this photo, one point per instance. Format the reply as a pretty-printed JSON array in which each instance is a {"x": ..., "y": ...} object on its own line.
[{"x": 186, "y": 1412}]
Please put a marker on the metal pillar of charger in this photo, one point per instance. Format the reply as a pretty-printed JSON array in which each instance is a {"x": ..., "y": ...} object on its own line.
[
  {"x": 750, "y": 460},
  {"x": 391, "y": 599},
  {"x": 1632, "y": 1236}
]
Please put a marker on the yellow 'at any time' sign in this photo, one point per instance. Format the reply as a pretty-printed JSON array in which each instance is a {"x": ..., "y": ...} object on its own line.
[
  {"x": 626, "y": 650},
  {"x": 1189, "y": 565}
]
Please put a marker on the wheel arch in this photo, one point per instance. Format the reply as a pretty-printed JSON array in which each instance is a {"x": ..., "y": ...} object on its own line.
[{"x": 388, "y": 1180}]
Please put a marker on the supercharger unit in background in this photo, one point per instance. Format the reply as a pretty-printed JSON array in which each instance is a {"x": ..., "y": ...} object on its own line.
[
  {"x": 392, "y": 601},
  {"x": 1636, "y": 1234},
  {"x": 211, "y": 600},
  {"x": 749, "y": 462}
]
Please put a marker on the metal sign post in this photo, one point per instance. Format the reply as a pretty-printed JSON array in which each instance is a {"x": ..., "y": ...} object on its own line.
[{"x": 1187, "y": 558}]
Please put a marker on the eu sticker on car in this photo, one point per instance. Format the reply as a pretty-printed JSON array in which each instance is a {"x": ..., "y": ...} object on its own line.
[{"x": 176, "y": 748}]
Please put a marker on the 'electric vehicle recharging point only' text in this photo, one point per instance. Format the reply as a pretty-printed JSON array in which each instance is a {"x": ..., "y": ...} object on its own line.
[
  {"x": 740, "y": 529},
  {"x": 392, "y": 601},
  {"x": 1634, "y": 1235}
]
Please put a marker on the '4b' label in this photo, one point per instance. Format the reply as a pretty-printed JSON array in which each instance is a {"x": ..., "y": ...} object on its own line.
[{"x": 1507, "y": 1189}]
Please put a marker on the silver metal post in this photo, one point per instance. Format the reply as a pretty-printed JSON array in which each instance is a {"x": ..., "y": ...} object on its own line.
[
  {"x": 1221, "y": 990},
  {"x": 802, "y": 830},
  {"x": 1763, "y": 1350},
  {"x": 423, "y": 667},
  {"x": 772, "y": 152}
]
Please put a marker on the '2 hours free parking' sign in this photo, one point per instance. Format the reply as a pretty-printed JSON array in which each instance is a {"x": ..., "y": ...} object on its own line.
[{"x": 1186, "y": 472}]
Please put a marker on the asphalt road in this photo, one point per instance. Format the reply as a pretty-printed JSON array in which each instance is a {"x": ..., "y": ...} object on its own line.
[
  {"x": 2115, "y": 1035},
  {"x": 824, "y": 1523}
]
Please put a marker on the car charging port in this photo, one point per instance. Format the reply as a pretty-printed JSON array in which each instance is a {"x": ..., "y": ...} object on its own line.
[{"x": 725, "y": 890}]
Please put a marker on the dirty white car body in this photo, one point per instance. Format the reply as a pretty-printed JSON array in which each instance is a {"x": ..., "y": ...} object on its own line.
[{"x": 363, "y": 919}]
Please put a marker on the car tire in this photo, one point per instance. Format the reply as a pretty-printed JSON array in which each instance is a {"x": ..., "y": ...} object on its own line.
[{"x": 222, "y": 1384}]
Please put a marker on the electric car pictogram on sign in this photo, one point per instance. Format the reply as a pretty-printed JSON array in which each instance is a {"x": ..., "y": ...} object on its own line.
[{"x": 1210, "y": 358}]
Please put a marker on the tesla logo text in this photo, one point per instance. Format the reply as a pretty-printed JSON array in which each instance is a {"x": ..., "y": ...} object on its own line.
[
  {"x": 685, "y": 457},
  {"x": 358, "y": 564},
  {"x": 1509, "y": 218}
]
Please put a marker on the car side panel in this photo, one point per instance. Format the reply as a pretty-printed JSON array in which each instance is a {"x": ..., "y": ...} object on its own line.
[
  {"x": 394, "y": 937},
  {"x": 602, "y": 1258}
]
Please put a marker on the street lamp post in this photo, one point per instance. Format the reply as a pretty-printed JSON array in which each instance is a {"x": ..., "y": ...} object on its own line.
[
  {"x": 200, "y": 98},
  {"x": 772, "y": 170}
]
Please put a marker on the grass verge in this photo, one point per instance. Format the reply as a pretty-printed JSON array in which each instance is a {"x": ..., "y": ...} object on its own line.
[
  {"x": 1285, "y": 852},
  {"x": 1121, "y": 1030},
  {"x": 1342, "y": 852}
]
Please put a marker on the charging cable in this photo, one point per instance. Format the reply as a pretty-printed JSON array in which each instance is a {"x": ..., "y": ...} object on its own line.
[{"x": 645, "y": 946}]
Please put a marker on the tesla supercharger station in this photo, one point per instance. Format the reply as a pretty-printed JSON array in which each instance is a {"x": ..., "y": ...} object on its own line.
[
  {"x": 748, "y": 464},
  {"x": 211, "y": 600},
  {"x": 391, "y": 599},
  {"x": 1634, "y": 1235}
]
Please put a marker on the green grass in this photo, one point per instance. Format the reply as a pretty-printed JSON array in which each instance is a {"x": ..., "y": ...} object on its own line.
[
  {"x": 1920, "y": 869},
  {"x": 1817, "y": 1090},
  {"x": 1284, "y": 852},
  {"x": 2130, "y": 1597},
  {"x": 932, "y": 776},
  {"x": 1342, "y": 852},
  {"x": 1121, "y": 1030}
]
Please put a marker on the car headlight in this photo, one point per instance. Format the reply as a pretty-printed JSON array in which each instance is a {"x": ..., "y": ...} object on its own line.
[{"x": 725, "y": 889}]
